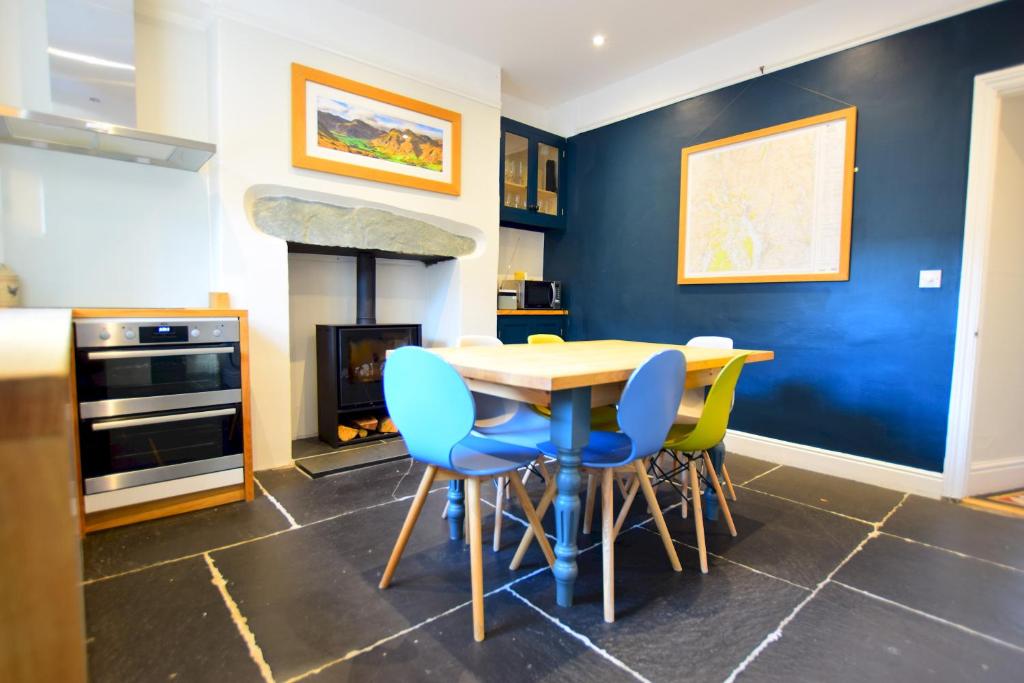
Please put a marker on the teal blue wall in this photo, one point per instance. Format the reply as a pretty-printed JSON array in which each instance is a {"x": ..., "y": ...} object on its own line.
[{"x": 862, "y": 366}]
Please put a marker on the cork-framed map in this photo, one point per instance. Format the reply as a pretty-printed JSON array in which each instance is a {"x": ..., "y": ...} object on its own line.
[{"x": 771, "y": 205}]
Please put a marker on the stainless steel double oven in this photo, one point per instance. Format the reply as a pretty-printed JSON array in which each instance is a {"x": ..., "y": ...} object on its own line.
[{"x": 160, "y": 401}]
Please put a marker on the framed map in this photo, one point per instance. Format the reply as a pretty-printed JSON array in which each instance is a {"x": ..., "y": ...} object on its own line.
[{"x": 772, "y": 205}]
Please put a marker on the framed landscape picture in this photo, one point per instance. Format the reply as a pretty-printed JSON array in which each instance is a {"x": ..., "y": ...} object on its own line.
[{"x": 350, "y": 128}]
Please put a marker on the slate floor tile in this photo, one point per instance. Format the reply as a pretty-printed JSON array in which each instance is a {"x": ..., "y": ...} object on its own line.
[
  {"x": 671, "y": 626},
  {"x": 863, "y": 501},
  {"x": 979, "y": 595},
  {"x": 842, "y": 635},
  {"x": 784, "y": 539},
  {"x": 313, "y": 500},
  {"x": 974, "y": 532},
  {"x": 531, "y": 648},
  {"x": 310, "y": 595},
  {"x": 164, "y": 623},
  {"x": 743, "y": 469},
  {"x": 129, "y": 547}
]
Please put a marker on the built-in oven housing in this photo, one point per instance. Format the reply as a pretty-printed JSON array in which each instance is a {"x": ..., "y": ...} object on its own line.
[{"x": 159, "y": 401}]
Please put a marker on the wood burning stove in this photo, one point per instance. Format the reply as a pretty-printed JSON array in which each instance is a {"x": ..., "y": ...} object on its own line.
[
  {"x": 350, "y": 366},
  {"x": 349, "y": 372}
]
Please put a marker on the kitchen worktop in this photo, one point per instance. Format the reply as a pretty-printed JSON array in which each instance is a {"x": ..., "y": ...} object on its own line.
[{"x": 532, "y": 311}]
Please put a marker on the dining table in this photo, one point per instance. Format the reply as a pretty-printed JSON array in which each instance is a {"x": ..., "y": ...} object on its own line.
[{"x": 571, "y": 378}]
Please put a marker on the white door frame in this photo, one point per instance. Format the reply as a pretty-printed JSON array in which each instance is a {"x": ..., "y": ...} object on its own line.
[{"x": 989, "y": 91}]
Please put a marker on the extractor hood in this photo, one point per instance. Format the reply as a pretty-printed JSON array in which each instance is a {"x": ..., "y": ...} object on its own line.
[
  {"x": 90, "y": 46},
  {"x": 65, "y": 134}
]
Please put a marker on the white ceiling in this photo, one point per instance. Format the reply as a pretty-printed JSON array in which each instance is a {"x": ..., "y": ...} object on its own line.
[{"x": 544, "y": 47}]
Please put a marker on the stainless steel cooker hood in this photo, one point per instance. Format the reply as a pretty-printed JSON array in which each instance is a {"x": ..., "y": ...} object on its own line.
[{"x": 91, "y": 52}]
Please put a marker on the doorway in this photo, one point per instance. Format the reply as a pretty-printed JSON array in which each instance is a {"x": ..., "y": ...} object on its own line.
[{"x": 984, "y": 451}]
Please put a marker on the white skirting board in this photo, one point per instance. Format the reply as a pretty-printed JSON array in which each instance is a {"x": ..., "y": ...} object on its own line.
[
  {"x": 994, "y": 476},
  {"x": 835, "y": 463}
]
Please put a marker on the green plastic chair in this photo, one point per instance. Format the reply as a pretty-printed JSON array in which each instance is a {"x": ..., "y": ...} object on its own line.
[{"x": 690, "y": 442}]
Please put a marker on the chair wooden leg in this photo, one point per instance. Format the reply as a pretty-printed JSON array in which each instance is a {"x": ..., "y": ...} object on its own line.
[
  {"x": 684, "y": 505},
  {"x": 545, "y": 501},
  {"x": 713, "y": 476},
  {"x": 531, "y": 515},
  {"x": 728, "y": 482},
  {"x": 476, "y": 559},
  {"x": 608, "y": 543},
  {"x": 659, "y": 520},
  {"x": 410, "y": 522},
  {"x": 626, "y": 505},
  {"x": 465, "y": 529},
  {"x": 698, "y": 517},
  {"x": 588, "y": 514},
  {"x": 499, "y": 506}
]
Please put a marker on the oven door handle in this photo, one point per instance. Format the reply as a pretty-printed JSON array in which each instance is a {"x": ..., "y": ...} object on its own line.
[
  {"x": 156, "y": 353},
  {"x": 161, "y": 419}
]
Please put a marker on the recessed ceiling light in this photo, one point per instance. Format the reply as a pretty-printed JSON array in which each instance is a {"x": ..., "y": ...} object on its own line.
[{"x": 598, "y": 40}]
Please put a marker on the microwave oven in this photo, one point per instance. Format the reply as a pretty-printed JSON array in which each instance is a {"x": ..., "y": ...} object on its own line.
[{"x": 536, "y": 293}]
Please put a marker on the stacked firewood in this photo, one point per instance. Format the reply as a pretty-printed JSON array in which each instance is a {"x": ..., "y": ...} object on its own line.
[{"x": 361, "y": 427}]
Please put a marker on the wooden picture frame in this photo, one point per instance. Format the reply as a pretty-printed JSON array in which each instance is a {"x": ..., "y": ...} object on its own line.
[
  {"x": 848, "y": 117},
  {"x": 349, "y": 128}
]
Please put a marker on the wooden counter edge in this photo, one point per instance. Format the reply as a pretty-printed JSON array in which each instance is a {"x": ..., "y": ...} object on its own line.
[{"x": 532, "y": 311}]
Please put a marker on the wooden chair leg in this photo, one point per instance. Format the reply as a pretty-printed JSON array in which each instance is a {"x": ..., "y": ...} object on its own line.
[
  {"x": 684, "y": 505},
  {"x": 407, "y": 526},
  {"x": 626, "y": 505},
  {"x": 713, "y": 476},
  {"x": 698, "y": 517},
  {"x": 659, "y": 520},
  {"x": 476, "y": 559},
  {"x": 465, "y": 529},
  {"x": 588, "y": 512},
  {"x": 608, "y": 543},
  {"x": 531, "y": 515},
  {"x": 549, "y": 495},
  {"x": 728, "y": 482},
  {"x": 499, "y": 506}
]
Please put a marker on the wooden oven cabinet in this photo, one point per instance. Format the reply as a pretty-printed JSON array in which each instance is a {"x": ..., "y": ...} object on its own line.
[{"x": 198, "y": 500}]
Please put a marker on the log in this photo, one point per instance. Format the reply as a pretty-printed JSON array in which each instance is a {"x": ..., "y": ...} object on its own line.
[
  {"x": 346, "y": 433},
  {"x": 369, "y": 422},
  {"x": 387, "y": 426}
]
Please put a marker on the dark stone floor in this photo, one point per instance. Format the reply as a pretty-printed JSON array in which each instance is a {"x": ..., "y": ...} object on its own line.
[{"x": 827, "y": 580}]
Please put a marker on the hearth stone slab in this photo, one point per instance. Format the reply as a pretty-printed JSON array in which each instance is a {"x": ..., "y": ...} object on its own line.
[{"x": 361, "y": 227}]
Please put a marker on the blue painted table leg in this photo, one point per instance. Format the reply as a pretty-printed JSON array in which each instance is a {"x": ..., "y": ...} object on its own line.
[
  {"x": 456, "y": 510},
  {"x": 710, "y": 499},
  {"x": 570, "y": 431}
]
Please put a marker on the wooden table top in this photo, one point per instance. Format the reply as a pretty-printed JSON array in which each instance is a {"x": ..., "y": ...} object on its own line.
[{"x": 553, "y": 367}]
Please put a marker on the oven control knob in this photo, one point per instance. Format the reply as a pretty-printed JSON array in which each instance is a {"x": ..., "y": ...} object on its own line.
[
  {"x": 104, "y": 335},
  {"x": 217, "y": 332},
  {"x": 195, "y": 332},
  {"x": 129, "y": 334}
]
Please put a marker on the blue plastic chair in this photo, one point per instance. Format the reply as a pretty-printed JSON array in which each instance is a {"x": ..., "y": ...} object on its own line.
[
  {"x": 434, "y": 411},
  {"x": 510, "y": 421},
  {"x": 646, "y": 411}
]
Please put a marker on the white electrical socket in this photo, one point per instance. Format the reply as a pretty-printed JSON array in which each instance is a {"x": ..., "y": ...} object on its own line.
[{"x": 930, "y": 279}]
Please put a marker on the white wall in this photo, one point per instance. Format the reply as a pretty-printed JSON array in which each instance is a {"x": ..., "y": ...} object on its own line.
[
  {"x": 82, "y": 231},
  {"x": 321, "y": 291},
  {"x": 1000, "y": 375},
  {"x": 252, "y": 123},
  {"x": 520, "y": 250},
  {"x": 822, "y": 28}
]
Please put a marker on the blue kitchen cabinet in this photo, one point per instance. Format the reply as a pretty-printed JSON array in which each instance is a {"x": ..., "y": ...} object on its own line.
[
  {"x": 514, "y": 329},
  {"x": 531, "y": 177}
]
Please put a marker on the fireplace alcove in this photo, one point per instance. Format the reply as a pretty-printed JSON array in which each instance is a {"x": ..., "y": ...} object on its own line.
[{"x": 348, "y": 351}]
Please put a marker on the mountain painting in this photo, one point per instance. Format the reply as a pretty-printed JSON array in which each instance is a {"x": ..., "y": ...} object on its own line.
[{"x": 352, "y": 128}]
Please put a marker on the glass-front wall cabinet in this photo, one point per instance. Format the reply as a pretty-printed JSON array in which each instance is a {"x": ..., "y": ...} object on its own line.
[{"x": 532, "y": 177}]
